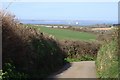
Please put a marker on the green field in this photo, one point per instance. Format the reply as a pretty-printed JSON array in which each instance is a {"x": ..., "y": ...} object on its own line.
[{"x": 63, "y": 34}]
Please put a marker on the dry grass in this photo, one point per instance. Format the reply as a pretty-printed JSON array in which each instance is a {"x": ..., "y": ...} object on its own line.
[{"x": 101, "y": 29}]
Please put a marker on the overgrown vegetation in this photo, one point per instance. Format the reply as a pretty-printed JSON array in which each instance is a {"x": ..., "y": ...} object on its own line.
[
  {"x": 107, "y": 59},
  {"x": 80, "y": 50}
]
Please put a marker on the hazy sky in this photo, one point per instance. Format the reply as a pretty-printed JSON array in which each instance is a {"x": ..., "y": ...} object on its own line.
[
  {"x": 64, "y": 10},
  {"x": 60, "y": 0}
]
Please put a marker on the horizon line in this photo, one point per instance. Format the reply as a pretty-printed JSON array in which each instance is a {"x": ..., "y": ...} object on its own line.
[{"x": 66, "y": 19}]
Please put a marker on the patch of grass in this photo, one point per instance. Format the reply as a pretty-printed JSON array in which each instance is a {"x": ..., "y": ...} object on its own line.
[
  {"x": 82, "y": 58},
  {"x": 72, "y": 59},
  {"x": 64, "y": 34},
  {"x": 87, "y": 58}
]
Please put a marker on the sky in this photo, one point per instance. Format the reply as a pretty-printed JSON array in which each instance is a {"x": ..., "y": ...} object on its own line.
[
  {"x": 60, "y": 0},
  {"x": 64, "y": 10}
]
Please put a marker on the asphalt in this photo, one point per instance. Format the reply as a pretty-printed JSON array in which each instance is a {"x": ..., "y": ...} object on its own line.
[{"x": 83, "y": 69}]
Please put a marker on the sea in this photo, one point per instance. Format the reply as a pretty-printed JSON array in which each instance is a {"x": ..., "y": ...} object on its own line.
[{"x": 68, "y": 22}]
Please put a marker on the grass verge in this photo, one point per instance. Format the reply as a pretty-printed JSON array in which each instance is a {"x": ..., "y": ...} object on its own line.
[{"x": 107, "y": 61}]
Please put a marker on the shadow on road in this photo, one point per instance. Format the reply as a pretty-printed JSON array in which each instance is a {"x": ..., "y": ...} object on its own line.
[{"x": 66, "y": 67}]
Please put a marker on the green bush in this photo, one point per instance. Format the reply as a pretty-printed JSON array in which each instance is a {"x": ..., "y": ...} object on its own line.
[
  {"x": 49, "y": 57},
  {"x": 11, "y": 74}
]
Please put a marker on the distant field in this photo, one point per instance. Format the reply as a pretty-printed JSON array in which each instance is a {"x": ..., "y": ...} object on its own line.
[
  {"x": 101, "y": 28},
  {"x": 63, "y": 34}
]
